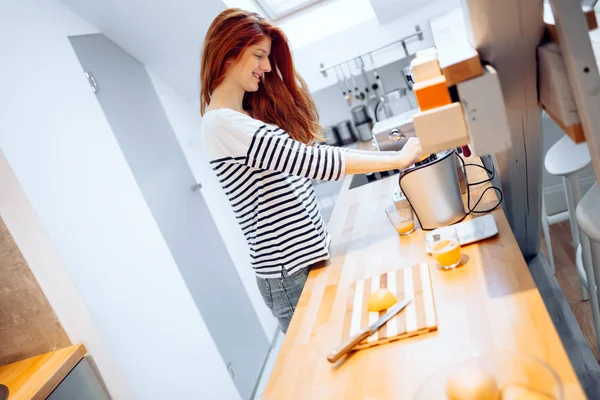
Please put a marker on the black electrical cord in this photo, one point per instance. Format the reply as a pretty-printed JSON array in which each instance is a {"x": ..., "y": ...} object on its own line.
[{"x": 493, "y": 173}]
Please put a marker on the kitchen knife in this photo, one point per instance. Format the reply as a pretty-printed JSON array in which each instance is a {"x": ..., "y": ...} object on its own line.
[{"x": 366, "y": 332}]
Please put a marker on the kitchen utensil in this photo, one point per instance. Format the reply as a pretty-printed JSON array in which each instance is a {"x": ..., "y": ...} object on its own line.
[
  {"x": 345, "y": 132},
  {"x": 360, "y": 114},
  {"x": 401, "y": 217},
  {"x": 339, "y": 81},
  {"x": 378, "y": 85},
  {"x": 331, "y": 137},
  {"x": 444, "y": 246},
  {"x": 368, "y": 331},
  {"x": 364, "y": 131},
  {"x": 408, "y": 79},
  {"x": 511, "y": 372},
  {"x": 358, "y": 94},
  {"x": 432, "y": 188},
  {"x": 362, "y": 122},
  {"x": 361, "y": 65},
  {"x": 350, "y": 95},
  {"x": 3, "y": 392},
  {"x": 418, "y": 318}
]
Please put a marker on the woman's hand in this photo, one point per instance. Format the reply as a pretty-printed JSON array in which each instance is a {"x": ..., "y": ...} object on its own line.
[
  {"x": 410, "y": 153},
  {"x": 362, "y": 162}
]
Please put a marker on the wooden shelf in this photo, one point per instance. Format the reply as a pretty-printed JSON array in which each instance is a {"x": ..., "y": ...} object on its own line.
[{"x": 36, "y": 377}]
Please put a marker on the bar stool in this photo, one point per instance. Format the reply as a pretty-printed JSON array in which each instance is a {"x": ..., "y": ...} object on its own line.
[
  {"x": 588, "y": 219},
  {"x": 566, "y": 159}
]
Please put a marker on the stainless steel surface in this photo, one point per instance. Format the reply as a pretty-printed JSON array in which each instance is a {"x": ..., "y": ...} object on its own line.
[
  {"x": 348, "y": 345},
  {"x": 331, "y": 137},
  {"x": 433, "y": 190},
  {"x": 346, "y": 132},
  {"x": 400, "y": 127},
  {"x": 360, "y": 115},
  {"x": 395, "y": 309},
  {"x": 364, "y": 131},
  {"x": 396, "y": 135}
]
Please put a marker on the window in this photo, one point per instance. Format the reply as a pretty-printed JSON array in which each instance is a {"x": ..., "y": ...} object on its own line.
[{"x": 277, "y": 9}]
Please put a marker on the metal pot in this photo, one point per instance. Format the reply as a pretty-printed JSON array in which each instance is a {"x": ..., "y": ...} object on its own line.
[
  {"x": 365, "y": 131},
  {"x": 331, "y": 137},
  {"x": 360, "y": 115},
  {"x": 345, "y": 132}
]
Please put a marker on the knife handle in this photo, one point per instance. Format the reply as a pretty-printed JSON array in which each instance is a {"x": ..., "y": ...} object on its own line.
[{"x": 349, "y": 345}]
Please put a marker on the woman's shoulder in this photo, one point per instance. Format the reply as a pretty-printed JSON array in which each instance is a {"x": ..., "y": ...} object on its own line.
[{"x": 228, "y": 118}]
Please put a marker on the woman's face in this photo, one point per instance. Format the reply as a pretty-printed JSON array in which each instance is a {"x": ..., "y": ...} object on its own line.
[{"x": 252, "y": 65}]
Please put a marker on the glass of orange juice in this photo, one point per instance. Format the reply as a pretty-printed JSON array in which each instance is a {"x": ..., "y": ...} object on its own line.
[
  {"x": 401, "y": 217},
  {"x": 444, "y": 246}
]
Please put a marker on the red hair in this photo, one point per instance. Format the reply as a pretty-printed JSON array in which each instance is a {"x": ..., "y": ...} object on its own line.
[{"x": 283, "y": 98}]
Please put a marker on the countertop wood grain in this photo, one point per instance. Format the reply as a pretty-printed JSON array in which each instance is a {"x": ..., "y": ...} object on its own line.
[
  {"x": 36, "y": 377},
  {"x": 489, "y": 304}
]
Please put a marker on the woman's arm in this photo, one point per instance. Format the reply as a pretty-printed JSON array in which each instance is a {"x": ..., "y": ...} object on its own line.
[{"x": 361, "y": 161}]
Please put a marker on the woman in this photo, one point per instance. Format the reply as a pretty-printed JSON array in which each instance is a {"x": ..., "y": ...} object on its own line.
[{"x": 260, "y": 129}]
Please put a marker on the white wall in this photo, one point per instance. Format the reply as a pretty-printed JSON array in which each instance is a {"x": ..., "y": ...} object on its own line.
[
  {"x": 45, "y": 264},
  {"x": 61, "y": 149},
  {"x": 336, "y": 30},
  {"x": 361, "y": 38},
  {"x": 186, "y": 120},
  {"x": 324, "y": 19}
]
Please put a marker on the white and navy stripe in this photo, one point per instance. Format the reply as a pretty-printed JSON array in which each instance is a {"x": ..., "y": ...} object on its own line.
[{"x": 270, "y": 190}]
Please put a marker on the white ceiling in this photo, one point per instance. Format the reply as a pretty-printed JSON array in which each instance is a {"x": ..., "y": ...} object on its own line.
[{"x": 165, "y": 35}]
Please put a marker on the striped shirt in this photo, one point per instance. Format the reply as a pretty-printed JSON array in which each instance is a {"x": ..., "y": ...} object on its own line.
[{"x": 267, "y": 177}]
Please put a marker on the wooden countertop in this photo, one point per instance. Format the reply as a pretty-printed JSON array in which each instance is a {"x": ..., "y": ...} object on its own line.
[
  {"x": 36, "y": 377},
  {"x": 489, "y": 304}
]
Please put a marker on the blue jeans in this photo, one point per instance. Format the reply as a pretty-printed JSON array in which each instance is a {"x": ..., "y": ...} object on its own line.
[{"x": 281, "y": 294}]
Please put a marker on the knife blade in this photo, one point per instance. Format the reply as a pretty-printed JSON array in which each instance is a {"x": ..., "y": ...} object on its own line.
[{"x": 366, "y": 332}]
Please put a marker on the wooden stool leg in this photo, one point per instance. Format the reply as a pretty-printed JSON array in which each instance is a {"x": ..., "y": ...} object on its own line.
[
  {"x": 546, "y": 231},
  {"x": 573, "y": 194}
]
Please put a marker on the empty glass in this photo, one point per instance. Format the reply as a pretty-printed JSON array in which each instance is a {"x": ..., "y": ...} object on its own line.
[
  {"x": 401, "y": 217},
  {"x": 444, "y": 246}
]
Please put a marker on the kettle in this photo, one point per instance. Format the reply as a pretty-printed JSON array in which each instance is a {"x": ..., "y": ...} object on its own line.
[{"x": 432, "y": 188}]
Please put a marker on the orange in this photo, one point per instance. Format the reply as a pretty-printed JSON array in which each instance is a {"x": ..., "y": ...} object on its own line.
[{"x": 380, "y": 300}]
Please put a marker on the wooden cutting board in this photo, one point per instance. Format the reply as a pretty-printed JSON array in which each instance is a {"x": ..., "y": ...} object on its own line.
[{"x": 417, "y": 318}]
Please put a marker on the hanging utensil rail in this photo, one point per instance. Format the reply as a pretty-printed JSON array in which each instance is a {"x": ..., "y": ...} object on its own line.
[{"x": 418, "y": 34}]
